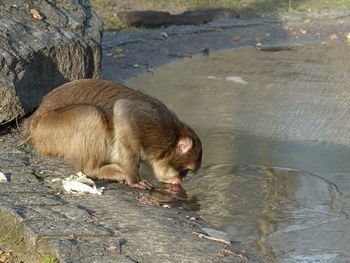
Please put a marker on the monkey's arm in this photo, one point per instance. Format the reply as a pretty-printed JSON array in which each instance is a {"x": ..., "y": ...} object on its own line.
[{"x": 114, "y": 172}]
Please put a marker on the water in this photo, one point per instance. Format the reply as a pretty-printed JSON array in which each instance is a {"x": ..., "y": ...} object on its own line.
[
  {"x": 274, "y": 128},
  {"x": 289, "y": 215}
]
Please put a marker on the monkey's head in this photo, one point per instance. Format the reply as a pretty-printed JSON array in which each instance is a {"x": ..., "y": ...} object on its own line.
[{"x": 185, "y": 156}]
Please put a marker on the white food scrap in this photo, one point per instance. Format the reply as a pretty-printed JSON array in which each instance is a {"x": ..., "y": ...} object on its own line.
[
  {"x": 80, "y": 184},
  {"x": 237, "y": 79},
  {"x": 3, "y": 178}
]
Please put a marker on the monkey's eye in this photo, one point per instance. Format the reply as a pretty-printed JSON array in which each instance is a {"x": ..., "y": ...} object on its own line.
[{"x": 183, "y": 172}]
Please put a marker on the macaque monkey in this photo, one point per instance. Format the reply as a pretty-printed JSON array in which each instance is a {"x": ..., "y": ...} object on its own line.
[{"x": 105, "y": 129}]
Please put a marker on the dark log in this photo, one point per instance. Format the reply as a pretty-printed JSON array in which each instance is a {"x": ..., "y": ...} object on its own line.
[{"x": 157, "y": 18}]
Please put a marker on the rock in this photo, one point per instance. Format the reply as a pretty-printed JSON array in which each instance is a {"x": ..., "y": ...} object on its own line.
[
  {"x": 44, "y": 44},
  {"x": 155, "y": 18}
]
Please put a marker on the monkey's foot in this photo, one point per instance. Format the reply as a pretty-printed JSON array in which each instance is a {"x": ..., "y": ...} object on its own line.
[{"x": 142, "y": 184}]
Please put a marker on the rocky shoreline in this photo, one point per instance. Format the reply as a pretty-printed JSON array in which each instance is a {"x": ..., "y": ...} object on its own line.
[{"x": 39, "y": 219}]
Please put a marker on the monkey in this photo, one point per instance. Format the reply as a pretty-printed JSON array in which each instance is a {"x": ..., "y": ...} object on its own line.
[{"x": 105, "y": 130}]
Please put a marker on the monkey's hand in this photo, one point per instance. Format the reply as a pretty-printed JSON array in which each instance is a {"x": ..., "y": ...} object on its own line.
[{"x": 142, "y": 184}]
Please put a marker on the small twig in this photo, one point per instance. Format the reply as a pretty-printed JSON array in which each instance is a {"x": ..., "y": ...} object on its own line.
[
  {"x": 22, "y": 141},
  {"x": 202, "y": 218},
  {"x": 235, "y": 254},
  {"x": 147, "y": 201},
  {"x": 17, "y": 124},
  {"x": 177, "y": 55},
  {"x": 200, "y": 235}
]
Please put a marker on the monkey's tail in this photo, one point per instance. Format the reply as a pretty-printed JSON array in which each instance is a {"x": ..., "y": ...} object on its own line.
[{"x": 25, "y": 132}]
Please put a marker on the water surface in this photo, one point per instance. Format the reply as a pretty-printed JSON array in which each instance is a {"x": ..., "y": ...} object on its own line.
[{"x": 275, "y": 132}]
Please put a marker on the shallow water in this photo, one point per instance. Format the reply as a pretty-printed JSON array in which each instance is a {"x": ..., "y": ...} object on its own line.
[
  {"x": 256, "y": 111},
  {"x": 289, "y": 215}
]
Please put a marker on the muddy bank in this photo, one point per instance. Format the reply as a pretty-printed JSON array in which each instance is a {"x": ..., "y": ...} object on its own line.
[{"x": 128, "y": 54}]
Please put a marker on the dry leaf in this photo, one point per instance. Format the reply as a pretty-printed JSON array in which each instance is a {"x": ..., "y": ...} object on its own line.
[
  {"x": 220, "y": 254},
  {"x": 112, "y": 248},
  {"x": 226, "y": 252},
  {"x": 3, "y": 258},
  {"x": 147, "y": 201},
  {"x": 35, "y": 14},
  {"x": 333, "y": 37},
  {"x": 236, "y": 38}
]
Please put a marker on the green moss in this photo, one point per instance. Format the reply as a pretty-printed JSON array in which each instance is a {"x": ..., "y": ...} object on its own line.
[
  {"x": 49, "y": 260},
  {"x": 113, "y": 23},
  {"x": 10, "y": 231},
  {"x": 12, "y": 239},
  {"x": 101, "y": 3},
  {"x": 40, "y": 175}
]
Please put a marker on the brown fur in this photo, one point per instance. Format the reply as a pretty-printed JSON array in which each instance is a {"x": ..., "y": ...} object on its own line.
[{"x": 105, "y": 129}]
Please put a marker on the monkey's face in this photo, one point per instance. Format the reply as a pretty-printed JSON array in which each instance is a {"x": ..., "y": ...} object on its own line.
[{"x": 186, "y": 157}]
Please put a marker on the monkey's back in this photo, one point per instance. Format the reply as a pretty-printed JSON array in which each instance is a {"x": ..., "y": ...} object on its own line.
[
  {"x": 100, "y": 93},
  {"x": 103, "y": 94}
]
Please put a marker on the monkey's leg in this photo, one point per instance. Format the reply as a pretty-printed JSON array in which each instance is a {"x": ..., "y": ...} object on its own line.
[
  {"x": 76, "y": 133},
  {"x": 115, "y": 172}
]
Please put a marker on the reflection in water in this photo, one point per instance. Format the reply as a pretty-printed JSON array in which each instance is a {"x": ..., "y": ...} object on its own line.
[
  {"x": 262, "y": 205},
  {"x": 168, "y": 193}
]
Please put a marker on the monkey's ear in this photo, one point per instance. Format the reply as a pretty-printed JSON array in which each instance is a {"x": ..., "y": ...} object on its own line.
[{"x": 184, "y": 145}]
